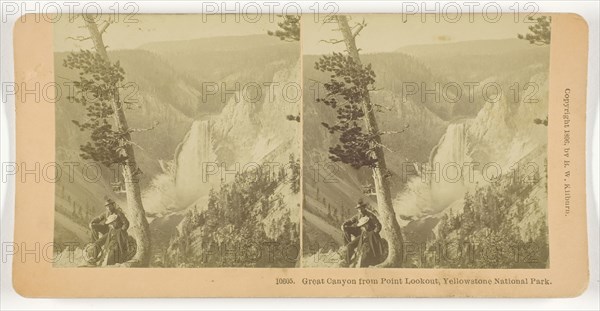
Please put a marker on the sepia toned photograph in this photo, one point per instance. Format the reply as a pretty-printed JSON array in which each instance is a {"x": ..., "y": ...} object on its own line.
[
  {"x": 182, "y": 139},
  {"x": 425, "y": 142},
  {"x": 331, "y": 154}
]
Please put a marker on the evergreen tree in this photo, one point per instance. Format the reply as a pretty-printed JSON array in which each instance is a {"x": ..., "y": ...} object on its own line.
[
  {"x": 295, "y": 178},
  {"x": 289, "y": 28},
  {"x": 539, "y": 32},
  {"x": 98, "y": 88},
  {"x": 348, "y": 93}
]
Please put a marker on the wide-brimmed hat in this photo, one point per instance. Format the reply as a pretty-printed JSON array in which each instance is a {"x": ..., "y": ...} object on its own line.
[
  {"x": 111, "y": 218},
  {"x": 361, "y": 204},
  {"x": 109, "y": 202},
  {"x": 362, "y": 221}
]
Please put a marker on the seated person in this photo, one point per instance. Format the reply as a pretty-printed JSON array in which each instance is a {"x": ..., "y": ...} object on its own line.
[
  {"x": 111, "y": 223},
  {"x": 365, "y": 223},
  {"x": 98, "y": 225},
  {"x": 115, "y": 247},
  {"x": 349, "y": 227}
]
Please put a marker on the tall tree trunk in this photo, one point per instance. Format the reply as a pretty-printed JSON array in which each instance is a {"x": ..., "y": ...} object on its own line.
[
  {"x": 139, "y": 227},
  {"x": 391, "y": 229}
]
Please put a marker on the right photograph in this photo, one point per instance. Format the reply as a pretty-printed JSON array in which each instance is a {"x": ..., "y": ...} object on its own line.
[{"x": 425, "y": 141}]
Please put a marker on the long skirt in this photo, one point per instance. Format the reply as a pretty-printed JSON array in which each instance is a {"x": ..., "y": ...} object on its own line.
[
  {"x": 116, "y": 247},
  {"x": 371, "y": 249}
]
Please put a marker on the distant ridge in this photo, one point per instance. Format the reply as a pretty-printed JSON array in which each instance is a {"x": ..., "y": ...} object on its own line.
[
  {"x": 214, "y": 44},
  {"x": 474, "y": 47}
]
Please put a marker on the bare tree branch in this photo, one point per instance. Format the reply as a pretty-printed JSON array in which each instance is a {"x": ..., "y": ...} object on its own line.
[
  {"x": 332, "y": 41},
  {"x": 330, "y": 19},
  {"x": 384, "y": 146},
  {"x": 383, "y": 106},
  {"x": 79, "y": 38},
  {"x": 393, "y": 132},
  {"x": 154, "y": 125},
  {"x": 135, "y": 145},
  {"x": 104, "y": 26},
  {"x": 360, "y": 26}
]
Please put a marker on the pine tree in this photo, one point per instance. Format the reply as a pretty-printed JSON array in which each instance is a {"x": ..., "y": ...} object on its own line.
[
  {"x": 295, "y": 178},
  {"x": 110, "y": 134},
  {"x": 348, "y": 94},
  {"x": 539, "y": 32},
  {"x": 289, "y": 28}
]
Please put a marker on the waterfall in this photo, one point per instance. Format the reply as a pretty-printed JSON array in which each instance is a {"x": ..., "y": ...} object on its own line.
[
  {"x": 181, "y": 183},
  {"x": 452, "y": 146},
  {"x": 192, "y": 154},
  {"x": 448, "y": 161},
  {"x": 441, "y": 184}
]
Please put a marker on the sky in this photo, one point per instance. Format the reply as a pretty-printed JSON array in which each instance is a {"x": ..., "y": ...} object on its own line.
[
  {"x": 127, "y": 33},
  {"x": 388, "y": 32},
  {"x": 384, "y": 32}
]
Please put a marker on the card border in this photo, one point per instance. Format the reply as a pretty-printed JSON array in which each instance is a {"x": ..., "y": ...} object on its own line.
[{"x": 34, "y": 214}]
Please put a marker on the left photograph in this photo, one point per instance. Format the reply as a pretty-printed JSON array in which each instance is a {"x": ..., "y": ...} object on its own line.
[{"x": 178, "y": 139}]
